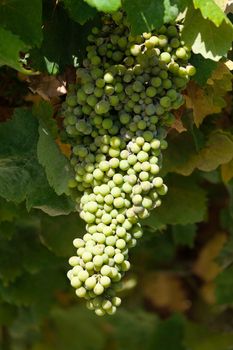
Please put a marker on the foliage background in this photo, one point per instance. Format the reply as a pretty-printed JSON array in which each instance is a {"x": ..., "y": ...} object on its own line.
[{"x": 179, "y": 293}]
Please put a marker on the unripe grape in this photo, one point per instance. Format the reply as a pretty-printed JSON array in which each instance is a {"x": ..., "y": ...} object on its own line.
[
  {"x": 83, "y": 275},
  {"x": 181, "y": 53},
  {"x": 116, "y": 118},
  {"x": 109, "y": 250},
  {"x": 111, "y": 311},
  {"x": 78, "y": 243},
  {"x": 75, "y": 282},
  {"x": 90, "y": 283},
  {"x": 116, "y": 301},
  {"x": 102, "y": 107},
  {"x": 81, "y": 292},
  {"x": 74, "y": 260},
  {"x": 105, "y": 281},
  {"x": 98, "y": 289}
]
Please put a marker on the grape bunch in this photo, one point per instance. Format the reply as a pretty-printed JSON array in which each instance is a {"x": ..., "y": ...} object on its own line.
[{"x": 116, "y": 118}]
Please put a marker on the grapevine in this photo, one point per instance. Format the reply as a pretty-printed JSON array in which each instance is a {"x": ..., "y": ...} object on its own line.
[{"x": 116, "y": 119}]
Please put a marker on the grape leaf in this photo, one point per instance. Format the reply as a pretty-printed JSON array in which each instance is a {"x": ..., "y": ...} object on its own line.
[
  {"x": 224, "y": 286},
  {"x": 37, "y": 289},
  {"x": 57, "y": 166},
  {"x": 199, "y": 337},
  {"x": 154, "y": 240},
  {"x": 227, "y": 171},
  {"x": 204, "y": 68},
  {"x": 225, "y": 257},
  {"x": 79, "y": 11},
  {"x": 144, "y": 16},
  {"x": 105, "y": 5},
  {"x": 204, "y": 37},
  {"x": 209, "y": 9},
  {"x": 165, "y": 291},
  {"x": 24, "y": 19},
  {"x": 41, "y": 196},
  {"x": 184, "y": 235},
  {"x": 203, "y": 101},
  {"x": 59, "y": 232},
  {"x": 21, "y": 176},
  {"x": 133, "y": 329},
  {"x": 206, "y": 266},
  {"x": 10, "y": 47},
  {"x": 8, "y": 211},
  {"x": 59, "y": 47},
  {"x": 18, "y": 139},
  {"x": 23, "y": 251},
  {"x": 174, "y": 326},
  {"x": 179, "y": 161},
  {"x": 44, "y": 112},
  {"x": 74, "y": 320},
  {"x": 222, "y": 4},
  {"x": 7, "y": 314},
  {"x": 218, "y": 150},
  {"x": 184, "y": 204},
  {"x": 183, "y": 160}
]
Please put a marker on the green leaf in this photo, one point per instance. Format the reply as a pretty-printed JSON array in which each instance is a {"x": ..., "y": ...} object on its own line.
[
  {"x": 41, "y": 196},
  {"x": 74, "y": 320},
  {"x": 128, "y": 329},
  {"x": 18, "y": 139},
  {"x": 209, "y": 9},
  {"x": 7, "y": 314},
  {"x": 37, "y": 289},
  {"x": 183, "y": 160},
  {"x": 133, "y": 328},
  {"x": 169, "y": 334},
  {"x": 155, "y": 240},
  {"x": 185, "y": 203},
  {"x": 21, "y": 176},
  {"x": 44, "y": 112},
  {"x": 58, "y": 233},
  {"x": 59, "y": 47},
  {"x": 23, "y": 251},
  {"x": 177, "y": 158},
  {"x": 10, "y": 47},
  {"x": 57, "y": 166},
  {"x": 199, "y": 337},
  {"x": 105, "y": 5},
  {"x": 204, "y": 68},
  {"x": 8, "y": 211},
  {"x": 224, "y": 286},
  {"x": 23, "y": 18},
  {"x": 225, "y": 257},
  {"x": 79, "y": 11},
  {"x": 204, "y": 37},
  {"x": 218, "y": 150},
  {"x": 184, "y": 235},
  {"x": 144, "y": 16}
]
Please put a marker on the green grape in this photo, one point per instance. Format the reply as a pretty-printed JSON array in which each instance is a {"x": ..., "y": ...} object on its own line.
[
  {"x": 191, "y": 70},
  {"x": 135, "y": 50},
  {"x": 115, "y": 118},
  {"x": 102, "y": 107},
  {"x": 151, "y": 91},
  {"x": 165, "y": 57},
  {"x": 156, "y": 82},
  {"x": 71, "y": 101},
  {"x": 181, "y": 53}
]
